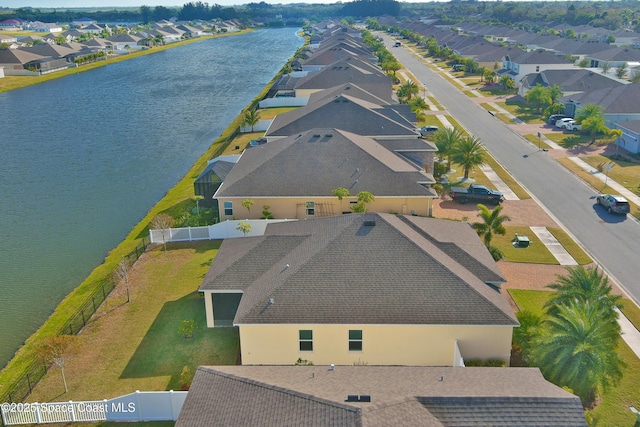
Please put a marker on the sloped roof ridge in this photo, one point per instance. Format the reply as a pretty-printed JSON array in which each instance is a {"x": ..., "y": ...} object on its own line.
[
  {"x": 475, "y": 284},
  {"x": 279, "y": 389},
  {"x": 276, "y": 276}
]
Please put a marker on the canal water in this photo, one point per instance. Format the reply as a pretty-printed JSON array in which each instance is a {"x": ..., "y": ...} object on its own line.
[{"x": 84, "y": 157}]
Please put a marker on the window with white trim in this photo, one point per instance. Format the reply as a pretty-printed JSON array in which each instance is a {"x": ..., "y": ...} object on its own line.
[
  {"x": 305, "y": 337},
  {"x": 311, "y": 208},
  {"x": 228, "y": 208},
  {"x": 355, "y": 340}
]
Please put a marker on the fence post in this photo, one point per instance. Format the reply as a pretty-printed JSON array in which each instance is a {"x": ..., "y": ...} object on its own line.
[
  {"x": 84, "y": 323},
  {"x": 70, "y": 329},
  {"x": 29, "y": 383},
  {"x": 94, "y": 303},
  {"x": 103, "y": 295}
]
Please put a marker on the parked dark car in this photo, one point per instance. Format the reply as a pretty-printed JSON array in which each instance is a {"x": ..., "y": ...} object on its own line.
[
  {"x": 613, "y": 203},
  {"x": 476, "y": 192}
]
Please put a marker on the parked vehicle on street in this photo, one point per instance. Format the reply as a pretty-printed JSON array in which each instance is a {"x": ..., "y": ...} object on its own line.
[
  {"x": 572, "y": 125},
  {"x": 613, "y": 203},
  {"x": 428, "y": 130},
  {"x": 555, "y": 117},
  {"x": 560, "y": 123},
  {"x": 476, "y": 192}
]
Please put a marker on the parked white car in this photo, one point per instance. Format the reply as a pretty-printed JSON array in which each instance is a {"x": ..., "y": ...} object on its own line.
[
  {"x": 572, "y": 125},
  {"x": 560, "y": 123}
]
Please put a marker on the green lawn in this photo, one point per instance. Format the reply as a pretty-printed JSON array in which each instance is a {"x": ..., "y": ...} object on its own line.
[
  {"x": 613, "y": 409},
  {"x": 137, "y": 345},
  {"x": 626, "y": 173},
  {"x": 523, "y": 111},
  {"x": 536, "y": 253},
  {"x": 538, "y": 142}
]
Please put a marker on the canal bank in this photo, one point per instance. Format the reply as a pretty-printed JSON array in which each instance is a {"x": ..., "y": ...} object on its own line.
[{"x": 26, "y": 357}]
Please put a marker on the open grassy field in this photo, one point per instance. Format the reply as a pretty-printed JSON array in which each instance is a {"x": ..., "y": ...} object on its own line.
[{"x": 136, "y": 345}]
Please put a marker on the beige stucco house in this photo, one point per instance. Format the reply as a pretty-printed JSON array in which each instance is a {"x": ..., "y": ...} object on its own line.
[
  {"x": 295, "y": 176},
  {"x": 377, "y": 289}
]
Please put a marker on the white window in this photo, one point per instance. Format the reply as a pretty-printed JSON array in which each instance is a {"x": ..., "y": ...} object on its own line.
[
  {"x": 228, "y": 208},
  {"x": 311, "y": 208}
]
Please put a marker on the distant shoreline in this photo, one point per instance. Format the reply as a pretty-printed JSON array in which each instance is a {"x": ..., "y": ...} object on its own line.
[{"x": 17, "y": 82}]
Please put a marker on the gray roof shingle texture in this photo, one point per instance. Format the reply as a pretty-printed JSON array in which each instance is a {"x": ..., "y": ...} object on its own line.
[
  {"x": 400, "y": 396},
  {"x": 342, "y": 270},
  {"x": 320, "y": 160}
]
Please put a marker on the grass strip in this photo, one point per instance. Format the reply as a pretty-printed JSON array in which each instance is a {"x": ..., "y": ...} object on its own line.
[
  {"x": 507, "y": 178},
  {"x": 570, "y": 245},
  {"x": 538, "y": 142}
]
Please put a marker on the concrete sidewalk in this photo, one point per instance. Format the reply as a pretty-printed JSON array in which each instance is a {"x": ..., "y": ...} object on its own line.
[{"x": 556, "y": 249}]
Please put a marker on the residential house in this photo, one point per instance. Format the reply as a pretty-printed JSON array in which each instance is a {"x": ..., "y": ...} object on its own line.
[
  {"x": 614, "y": 57},
  {"x": 296, "y": 175},
  {"x": 520, "y": 63},
  {"x": 620, "y": 103},
  {"x": 83, "y": 22},
  {"x": 7, "y": 40},
  {"x": 124, "y": 41},
  {"x": 373, "y": 288},
  {"x": 15, "y": 61},
  {"x": 376, "y": 396},
  {"x": 11, "y": 24},
  {"x": 92, "y": 29},
  {"x": 348, "y": 70},
  {"x": 339, "y": 108},
  {"x": 630, "y": 139},
  {"x": 43, "y": 27},
  {"x": 571, "y": 82}
]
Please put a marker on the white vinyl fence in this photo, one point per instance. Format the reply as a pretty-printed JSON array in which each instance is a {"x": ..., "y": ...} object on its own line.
[
  {"x": 222, "y": 230},
  {"x": 138, "y": 406}
]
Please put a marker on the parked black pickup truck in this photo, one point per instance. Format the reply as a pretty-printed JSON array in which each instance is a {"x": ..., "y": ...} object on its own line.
[{"x": 479, "y": 193}]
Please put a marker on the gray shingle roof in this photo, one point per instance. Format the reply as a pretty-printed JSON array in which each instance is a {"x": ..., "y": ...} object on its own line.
[
  {"x": 620, "y": 99},
  {"x": 402, "y": 396},
  {"x": 320, "y": 160},
  {"x": 345, "y": 112},
  {"x": 342, "y": 270}
]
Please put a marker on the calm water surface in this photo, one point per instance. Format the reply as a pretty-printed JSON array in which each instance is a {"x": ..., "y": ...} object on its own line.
[{"x": 83, "y": 158}]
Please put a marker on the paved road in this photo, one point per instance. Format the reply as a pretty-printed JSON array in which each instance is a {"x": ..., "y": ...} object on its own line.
[{"x": 613, "y": 241}]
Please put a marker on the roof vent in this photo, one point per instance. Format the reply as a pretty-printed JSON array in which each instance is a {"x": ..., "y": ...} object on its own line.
[{"x": 353, "y": 398}]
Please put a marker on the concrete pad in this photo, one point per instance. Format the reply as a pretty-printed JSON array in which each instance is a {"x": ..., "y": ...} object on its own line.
[
  {"x": 556, "y": 249},
  {"x": 498, "y": 183},
  {"x": 630, "y": 334}
]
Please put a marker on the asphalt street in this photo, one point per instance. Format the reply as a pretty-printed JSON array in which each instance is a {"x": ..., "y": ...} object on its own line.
[{"x": 612, "y": 240}]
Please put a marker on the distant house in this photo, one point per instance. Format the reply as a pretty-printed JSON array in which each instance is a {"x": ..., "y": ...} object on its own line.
[
  {"x": 630, "y": 139},
  {"x": 83, "y": 22},
  {"x": 376, "y": 396},
  {"x": 519, "y": 64},
  {"x": 571, "y": 82},
  {"x": 43, "y": 27},
  {"x": 373, "y": 288},
  {"x": 296, "y": 175},
  {"x": 15, "y": 61},
  {"x": 124, "y": 41}
]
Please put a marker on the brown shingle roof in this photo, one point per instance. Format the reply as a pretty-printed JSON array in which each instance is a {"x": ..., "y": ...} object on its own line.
[
  {"x": 345, "y": 270},
  {"x": 407, "y": 396},
  {"x": 315, "y": 162}
]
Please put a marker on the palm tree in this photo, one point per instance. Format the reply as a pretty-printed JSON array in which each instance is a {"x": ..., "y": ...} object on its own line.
[
  {"x": 445, "y": 139},
  {"x": 591, "y": 118},
  {"x": 468, "y": 153},
  {"x": 524, "y": 335},
  {"x": 251, "y": 118},
  {"x": 491, "y": 223},
  {"x": 577, "y": 349},
  {"x": 407, "y": 90},
  {"x": 584, "y": 285}
]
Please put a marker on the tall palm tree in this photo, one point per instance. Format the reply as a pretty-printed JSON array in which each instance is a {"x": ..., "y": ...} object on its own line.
[
  {"x": 491, "y": 223},
  {"x": 577, "y": 349},
  {"x": 468, "y": 153},
  {"x": 445, "y": 139},
  {"x": 584, "y": 285}
]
